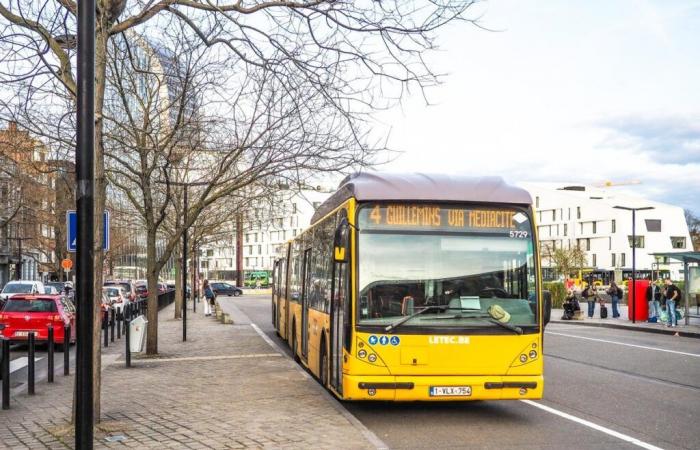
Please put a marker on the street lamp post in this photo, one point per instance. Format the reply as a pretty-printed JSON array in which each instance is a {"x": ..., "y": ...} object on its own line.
[{"x": 634, "y": 253}]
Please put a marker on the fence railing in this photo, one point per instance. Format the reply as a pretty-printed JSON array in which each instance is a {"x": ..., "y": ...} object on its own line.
[{"x": 115, "y": 324}]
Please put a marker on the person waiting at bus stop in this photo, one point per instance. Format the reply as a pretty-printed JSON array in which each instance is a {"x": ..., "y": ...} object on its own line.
[
  {"x": 654, "y": 300},
  {"x": 615, "y": 294},
  {"x": 590, "y": 295},
  {"x": 673, "y": 294}
]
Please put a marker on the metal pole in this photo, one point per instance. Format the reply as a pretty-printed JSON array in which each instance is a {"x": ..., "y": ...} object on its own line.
[
  {"x": 18, "y": 267},
  {"x": 634, "y": 264},
  {"x": 120, "y": 317},
  {"x": 686, "y": 289},
  {"x": 105, "y": 328},
  {"x": 30, "y": 362},
  {"x": 50, "y": 355},
  {"x": 184, "y": 268},
  {"x": 127, "y": 337},
  {"x": 112, "y": 323},
  {"x": 66, "y": 350},
  {"x": 5, "y": 374},
  {"x": 85, "y": 174}
]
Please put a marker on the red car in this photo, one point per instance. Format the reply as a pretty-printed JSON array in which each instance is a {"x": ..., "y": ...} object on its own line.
[{"x": 24, "y": 313}]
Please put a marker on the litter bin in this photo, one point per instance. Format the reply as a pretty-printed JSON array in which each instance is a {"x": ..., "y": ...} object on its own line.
[{"x": 137, "y": 331}]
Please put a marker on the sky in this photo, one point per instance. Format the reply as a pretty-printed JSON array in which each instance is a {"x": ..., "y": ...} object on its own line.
[{"x": 572, "y": 92}]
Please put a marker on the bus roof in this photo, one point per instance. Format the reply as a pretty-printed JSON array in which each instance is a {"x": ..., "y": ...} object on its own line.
[{"x": 423, "y": 187}]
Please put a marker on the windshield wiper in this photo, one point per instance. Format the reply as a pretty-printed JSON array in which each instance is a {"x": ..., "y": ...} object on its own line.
[
  {"x": 403, "y": 320},
  {"x": 485, "y": 318}
]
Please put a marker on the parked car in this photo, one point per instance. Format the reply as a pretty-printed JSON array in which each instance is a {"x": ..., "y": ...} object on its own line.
[
  {"x": 128, "y": 286},
  {"x": 117, "y": 297},
  {"x": 24, "y": 313},
  {"x": 59, "y": 285},
  {"x": 20, "y": 287},
  {"x": 171, "y": 287},
  {"x": 221, "y": 288},
  {"x": 142, "y": 288},
  {"x": 50, "y": 290}
]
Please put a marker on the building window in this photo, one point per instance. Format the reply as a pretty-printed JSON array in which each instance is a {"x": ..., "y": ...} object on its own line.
[
  {"x": 210, "y": 253},
  {"x": 677, "y": 242},
  {"x": 256, "y": 237},
  {"x": 595, "y": 227},
  {"x": 294, "y": 208},
  {"x": 578, "y": 212},
  {"x": 638, "y": 241},
  {"x": 622, "y": 259},
  {"x": 613, "y": 259},
  {"x": 566, "y": 230},
  {"x": 554, "y": 215},
  {"x": 259, "y": 249},
  {"x": 613, "y": 226},
  {"x": 594, "y": 260},
  {"x": 653, "y": 225},
  {"x": 539, "y": 216},
  {"x": 537, "y": 202},
  {"x": 588, "y": 243}
]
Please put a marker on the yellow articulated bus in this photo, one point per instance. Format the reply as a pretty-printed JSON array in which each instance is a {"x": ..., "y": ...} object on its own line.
[{"x": 416, "y": 287}]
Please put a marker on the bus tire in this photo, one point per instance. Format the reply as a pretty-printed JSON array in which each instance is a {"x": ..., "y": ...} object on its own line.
[
  {"x": 274, "y": 314},
  {"x": 323, "y": 363},
  {"x": 294, "y": 343}
]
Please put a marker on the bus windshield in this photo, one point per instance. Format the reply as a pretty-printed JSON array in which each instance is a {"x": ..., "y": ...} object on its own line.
[{"x": 469, "y": 266}]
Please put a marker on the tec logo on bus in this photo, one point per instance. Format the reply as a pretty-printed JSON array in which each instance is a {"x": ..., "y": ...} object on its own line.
[{"x": 384, "y": 340}]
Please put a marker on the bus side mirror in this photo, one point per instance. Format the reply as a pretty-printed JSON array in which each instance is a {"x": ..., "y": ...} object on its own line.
[
  {"x": 547, "y": 313},
  {"x": 340, "y": 241}
]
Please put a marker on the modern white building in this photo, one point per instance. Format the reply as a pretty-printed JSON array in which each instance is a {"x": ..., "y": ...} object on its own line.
[
  {"x": 263, "y": 233},
  {"x": 587, "y": 217}
]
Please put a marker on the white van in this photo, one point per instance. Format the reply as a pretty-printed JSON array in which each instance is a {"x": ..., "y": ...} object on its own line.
[{"x": 30, "y": 287}]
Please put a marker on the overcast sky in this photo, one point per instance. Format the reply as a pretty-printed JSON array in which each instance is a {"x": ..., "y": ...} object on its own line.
[{"x": 579, "y": 92}]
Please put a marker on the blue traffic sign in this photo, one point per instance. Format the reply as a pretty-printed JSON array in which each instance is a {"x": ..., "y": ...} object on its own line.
[{"x": 72, "y": 227}]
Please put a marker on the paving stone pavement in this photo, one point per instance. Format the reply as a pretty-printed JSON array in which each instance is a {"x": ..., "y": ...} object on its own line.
[{"x": 223, "y": 388}]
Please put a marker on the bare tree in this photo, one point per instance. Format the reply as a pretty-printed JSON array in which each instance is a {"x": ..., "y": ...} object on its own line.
[{"x": 693, "y": 222}]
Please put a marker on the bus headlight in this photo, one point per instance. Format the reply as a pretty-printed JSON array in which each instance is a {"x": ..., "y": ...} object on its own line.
[
  {"x": 523, "y": 358},
  {"x": 372, "y": 358},
  {"x": 533, "y": 354},
  {"x": 362, "y": 353}
]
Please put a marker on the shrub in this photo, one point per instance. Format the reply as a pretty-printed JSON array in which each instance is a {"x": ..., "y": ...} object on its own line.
[{"x": 558, "y": 293}]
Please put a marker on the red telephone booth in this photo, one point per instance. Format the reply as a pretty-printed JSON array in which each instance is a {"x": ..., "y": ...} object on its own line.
[{"x": 640, "y": 307}]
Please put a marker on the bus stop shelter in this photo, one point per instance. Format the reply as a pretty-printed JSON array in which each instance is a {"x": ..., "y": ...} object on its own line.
[{"x": 686, "y": 258}]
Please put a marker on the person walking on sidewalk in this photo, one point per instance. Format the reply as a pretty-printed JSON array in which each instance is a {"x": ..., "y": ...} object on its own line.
[
  {"x": 615, "y": 294},
  {"x": 209, "y": 297},
  {"x": 673, "y": 294},
  {"x": 589, "y": 294}
]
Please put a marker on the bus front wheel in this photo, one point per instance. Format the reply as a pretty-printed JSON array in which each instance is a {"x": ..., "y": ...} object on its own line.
[{"x": 323, "y": 365}]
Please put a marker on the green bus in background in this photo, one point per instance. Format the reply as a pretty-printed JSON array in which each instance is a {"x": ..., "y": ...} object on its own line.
[{"x": 260, "y": 278}]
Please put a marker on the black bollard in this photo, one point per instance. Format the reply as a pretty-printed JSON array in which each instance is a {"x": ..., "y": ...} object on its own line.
[
  {"x": 127, "y": 335},
  {"x": 113, "y": 315},
  {"x": 5, "y": 374},
  {"x": 120, "y": 316},
  {"x": 50, "y": 355},
  {"x": 66, "y": 350},
  {"x": 105, "y": 322},
  {"x": 30, "y": 367}
]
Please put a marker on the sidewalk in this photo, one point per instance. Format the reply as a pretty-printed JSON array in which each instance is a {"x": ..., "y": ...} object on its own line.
[
  {"x": 223, "y": 388},
  {"x": 691, "y": 330}
]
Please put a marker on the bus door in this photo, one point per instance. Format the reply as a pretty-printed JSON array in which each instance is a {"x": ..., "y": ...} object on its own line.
[
  {"x": 339, "y": 306},
  {"x": 275, "y": 296},
  {"x": 305, "y": 305},
  {"x": 282, "y": 305},
  {"x": 340, "y": 303}
]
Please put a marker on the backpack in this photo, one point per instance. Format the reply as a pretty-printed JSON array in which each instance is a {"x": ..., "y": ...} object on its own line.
[{"x": 620, "y": 293}]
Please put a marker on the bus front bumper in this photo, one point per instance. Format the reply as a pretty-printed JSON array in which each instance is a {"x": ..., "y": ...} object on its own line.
[{"x": 442, "y": 388}]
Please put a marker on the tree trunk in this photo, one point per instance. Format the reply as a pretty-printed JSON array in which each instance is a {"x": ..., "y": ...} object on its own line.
[
  {"x": 177, "y": 257},
  {"x": 152, "y": 278}
]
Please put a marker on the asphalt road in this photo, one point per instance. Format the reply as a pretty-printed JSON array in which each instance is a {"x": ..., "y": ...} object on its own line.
[{"x": 603, "y": 389}]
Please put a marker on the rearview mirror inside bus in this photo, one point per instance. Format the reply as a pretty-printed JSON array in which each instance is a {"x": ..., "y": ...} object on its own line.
[{"x": 340, "y": 241}]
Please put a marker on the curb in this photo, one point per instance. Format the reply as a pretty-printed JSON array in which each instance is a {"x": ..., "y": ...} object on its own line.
[{"x": 672, "y": 332}]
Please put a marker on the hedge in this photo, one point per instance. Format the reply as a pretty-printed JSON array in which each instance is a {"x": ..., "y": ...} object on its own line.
[{"x": 558, "y": 293}]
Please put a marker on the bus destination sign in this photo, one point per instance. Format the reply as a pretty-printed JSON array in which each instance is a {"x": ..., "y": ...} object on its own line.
[{"x": 421, "y": 216}]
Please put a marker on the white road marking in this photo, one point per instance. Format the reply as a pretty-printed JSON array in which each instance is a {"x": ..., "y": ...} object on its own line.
[
  {"x": 21, "y": 362},
  {"x": 596, "y": 427},
  {"x": 625, "y": 344}
]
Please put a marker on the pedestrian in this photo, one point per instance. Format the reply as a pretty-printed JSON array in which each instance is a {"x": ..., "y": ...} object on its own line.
[
  {"x": 615, "y": 294},
  {"x": 654, "y": 299},
  {"x": 589, "y": 295},
  {"x": 209, "y": 296},
  {"x": 673, "y": 295},
  {"x": 257, "y": 283}
]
